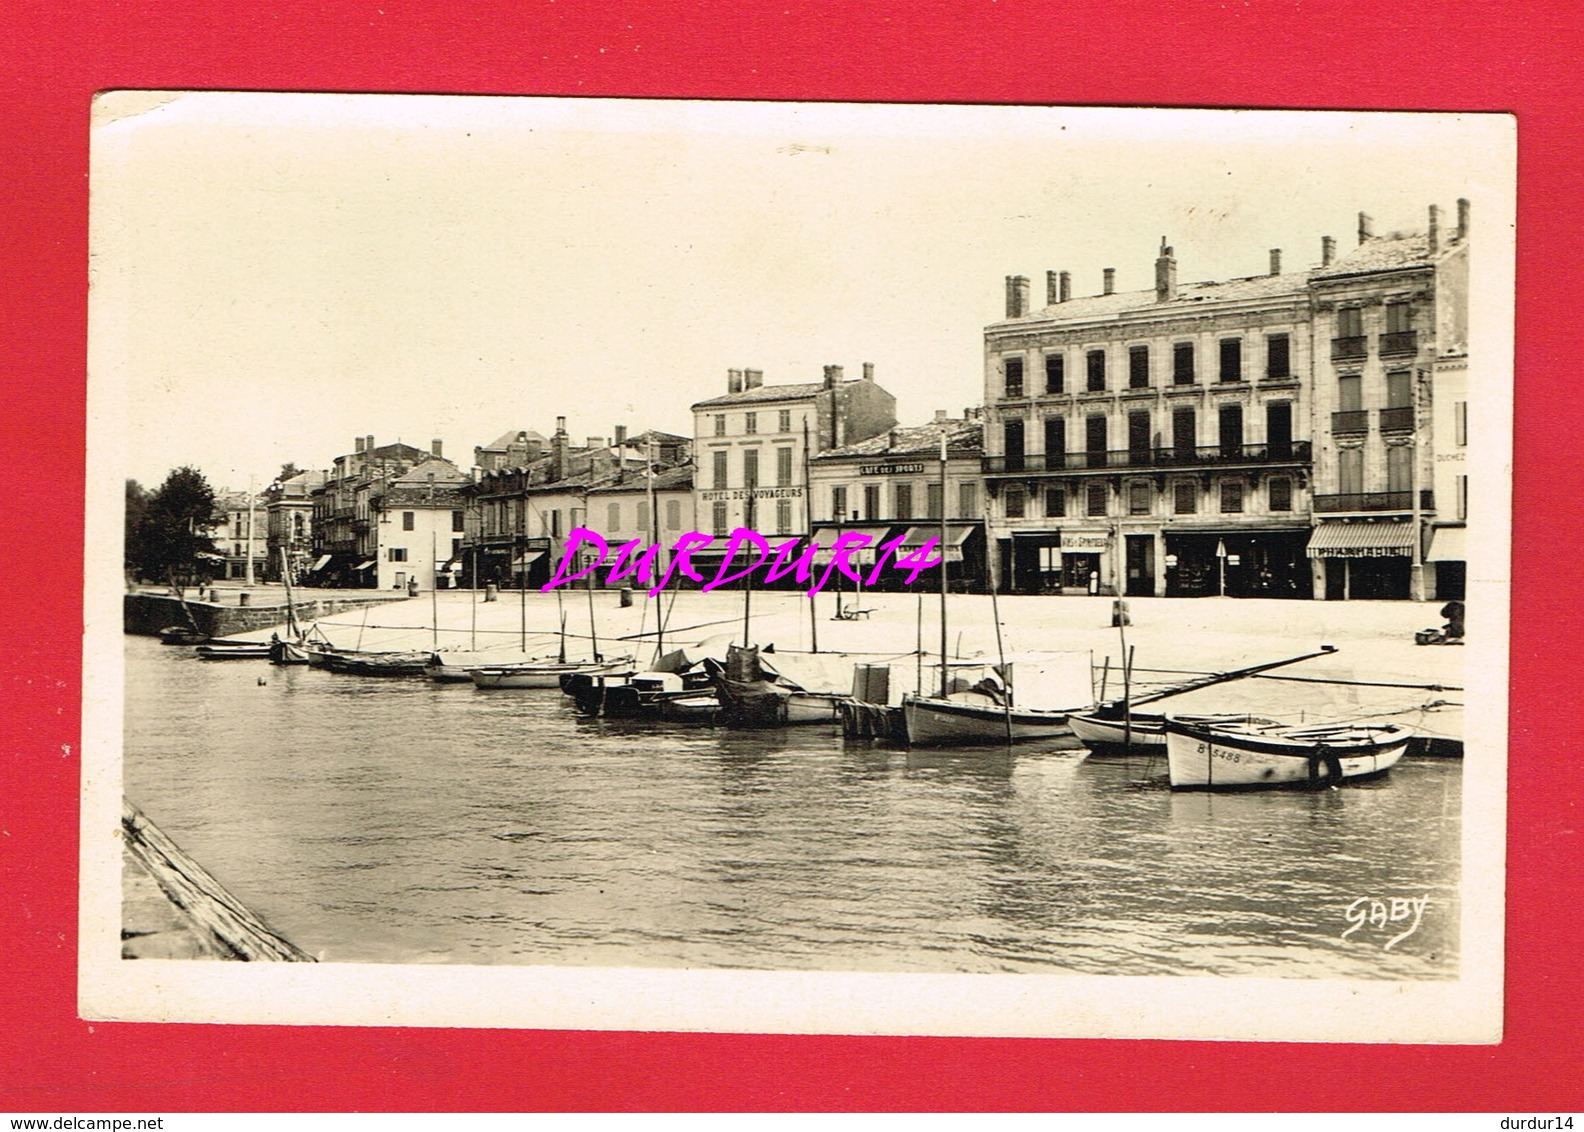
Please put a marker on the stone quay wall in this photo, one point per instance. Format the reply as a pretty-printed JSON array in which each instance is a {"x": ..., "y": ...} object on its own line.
[{"x": 146, "y": 614}]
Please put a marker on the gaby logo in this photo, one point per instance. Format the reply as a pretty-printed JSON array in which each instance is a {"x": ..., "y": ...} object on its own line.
[{"x": 637, "y": 561}]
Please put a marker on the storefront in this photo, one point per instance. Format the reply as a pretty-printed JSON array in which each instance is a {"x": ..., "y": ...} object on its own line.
[
  {"x": 1363, "y": 559},
  {"x": 1071, "y": 560},
  {"x": 1449, "y": 556},
  {"x": 1237, "y": 563}
]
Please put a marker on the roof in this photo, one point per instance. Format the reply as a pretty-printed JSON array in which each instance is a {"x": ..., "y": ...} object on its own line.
[
  {"x": 657, "y": 436},
  {"x": 444, "y": 471},
  {"x": 795, "y": 392},
  {"x": 1188, "y": 295},
  {"x": 679, "y": 478},
  {"x": 515, "y": 436},
  {"x": 417, "y": 496},
  {"x": 962, "y": 438},
  {"x": 1393, "y": 252}
]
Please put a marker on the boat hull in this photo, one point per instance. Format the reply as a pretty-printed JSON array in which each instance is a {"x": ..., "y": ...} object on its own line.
[
  {"x": 1103, "y": 734},
  {"x": 216, "y": 650},
  {"x": 1207, "y": 758},
  {"x": 538, "y": 675},
  {"x": 961, "y": 723}
]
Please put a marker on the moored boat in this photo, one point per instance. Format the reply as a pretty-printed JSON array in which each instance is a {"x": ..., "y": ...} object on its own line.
[
  {"x": 356, "y": 662},
  {"x": 1241, "y": 756},
  {"x": 751, "y": 696},
  {"x": 225, "y": 648},
  {"x": 976, "y": 718},
  {"x": 1107, "y": 730},
  {"x": 547, "y": 674}
]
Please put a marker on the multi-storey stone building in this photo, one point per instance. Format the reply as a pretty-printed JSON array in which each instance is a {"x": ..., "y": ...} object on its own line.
[
  {"x": 288, "y": 522},
  {"x": 418, "y": 521},
  {"x": 1151, "y": 442},
  {"x": 345, "y": 539},
  {"x": 240, "y": 535},
  {"x": 1391, "y": 421},
  {"x": 894, "y": 484},
  {"x": 752, "y": 446}
]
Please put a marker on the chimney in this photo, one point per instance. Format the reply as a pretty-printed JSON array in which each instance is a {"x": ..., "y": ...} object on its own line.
[
  {"x": 891, "y": 438},
  {"x": 837, "y": 375},
  {"x": 734, "y": 381},
  {"x": 832, "y": 373},
  {"x": 368, "y": 445},
  {"x": 1017, "y": 296},
  {"x": 1435, "y": 228},
  {"x": 435, "y": 449},
  {"x": 1165, "y": 275},
  {"x": 561, "y": 427},
  {"x": 1275, "y": 261},
  {"x": 1066, "y": 286},
  {"x": 558, "y": 451},
  {"x": 596, "y": 442},
  {"x": 1110, "y": 281},
  {"x": 868, "y": 371},
  {"x": 1327, "y": 250},
  {"x": 621, "y": 435},
  {"x": 1052, "y": 288},
  {"x": 1366, "y": 227},
  {"x": 357, "y": 444},
  {"x": 1463, "y": 219},
  {"x": 753, "y": 378},
  {"x": 940, "y": 415}
]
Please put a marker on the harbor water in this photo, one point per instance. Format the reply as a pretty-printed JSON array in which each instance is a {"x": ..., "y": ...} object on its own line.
[{"x": 405, "y": 821}]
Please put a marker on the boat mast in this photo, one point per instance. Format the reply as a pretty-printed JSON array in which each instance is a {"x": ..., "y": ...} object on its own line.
[
  {"x": 291, "y": 610},
  {"x": 808, "y": 519},
  {"x": 434, "y": 590},
  {"x": 945, "y": 677}
]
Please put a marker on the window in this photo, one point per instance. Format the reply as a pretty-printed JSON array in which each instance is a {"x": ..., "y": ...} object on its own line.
[
  {"x": 613, "y": 517},
  {"x": 1399, "y": 317},
  {"x": 1350, "y": 322},
  {"x": 1281, "y": 494},
  {"x": 456, "y": 548},
  {"x": 1013, "y": 432},
  {"x": 718, "y": 471},
  {"x": 1183, "y": 363},
  {"x": 1462, "y": 497},
  {"x": 1185, "y": 437},
  {"x": 783, "y": 467},
  {"x": 1096, "y": 504},
  {"x": 1138, "y": 367},
  {"x": 1399, "y": 389},
  {"x": 1185, "y": 498},
  {"x": 642, "y": 521},
  {"x": 1095, "y": 441},
  {"x": 933, "y": 502},
  {"x": 398, "y": 554},
  {"x": 904, "y": 501},
  {"x": 720, "y": 424},
  {"x": 839, "y": 502},
  {"x": 1055, "y": 442},
  {"x": 1139, "y": 437},
  {"x": 967, "y": 500},
  {"x": 718, "y": 515},
  {"x": 1014, "y": 377},
  {"x": 871, "y": 501},
  {"x": 408, "y": 519},
  {"x": 555, "y": 524},
  {"x": 751, "y": 467},
  {"x": 1350, "y": 392},
  {"x": 1138, "y": 498},
  {"x": 1350, "y": 471},
  {"x": 673, "y": 514},
  {"x": 1399, "y": 467},
  {"x": 1055, "y": 503},
  {"x": 1231, "y": 359},
  {"x": 784, "y": 420},
  {"x": 1460, "y": 422},
  {"x": 1231, "y": 422},
  {"x": 1278, "y": 356},
  {"x": 1014, "y": 500},
  {"x": 783, "y": 516},
  {"x": 1055, "y": 373},
  {"x": 1278, "y": 430},
  {"x": 1097, "y": 371},
  {"x": 1231, "y": 497},
  {"x": 457, "y": 521}
]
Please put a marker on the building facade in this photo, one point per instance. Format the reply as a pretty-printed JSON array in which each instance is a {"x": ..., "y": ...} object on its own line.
[
  {"x": 288, "y": 525},
  {"x": 240, "y": 535},
  {"x": 1391, "y": 421},
  {"x": 894, "y": 484},
  {"x": 753, "y": 445},
  {"x": 1151, "y": 442},
  {"x": 418, "y": 519},
  {"x": 345, "y": 537}
]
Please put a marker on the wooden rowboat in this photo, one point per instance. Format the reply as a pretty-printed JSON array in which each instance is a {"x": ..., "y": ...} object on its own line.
[{"x": 1243, "y": 756}]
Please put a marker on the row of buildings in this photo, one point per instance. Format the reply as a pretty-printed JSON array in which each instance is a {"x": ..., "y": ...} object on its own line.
[{"x": 1297, "y": 433}]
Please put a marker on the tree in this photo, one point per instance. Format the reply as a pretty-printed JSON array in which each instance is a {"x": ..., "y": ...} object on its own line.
[
  {"x": 172, "y": 541},
  {"x": 288, "y": 470},
  {"x": 137, "y": 500}
]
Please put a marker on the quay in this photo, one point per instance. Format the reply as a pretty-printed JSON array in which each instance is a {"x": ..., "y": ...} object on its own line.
[{"x": 224, "y": 612}]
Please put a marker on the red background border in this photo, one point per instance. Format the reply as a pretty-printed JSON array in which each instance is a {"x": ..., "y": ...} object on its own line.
[{"x": 1463, "y": 56}]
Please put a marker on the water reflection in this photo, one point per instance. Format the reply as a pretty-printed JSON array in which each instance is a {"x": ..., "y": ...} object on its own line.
[{"x": 404, "y": 821}]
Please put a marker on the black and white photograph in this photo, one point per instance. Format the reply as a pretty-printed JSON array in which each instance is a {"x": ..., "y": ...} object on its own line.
[{"x": 797, "y": 567}]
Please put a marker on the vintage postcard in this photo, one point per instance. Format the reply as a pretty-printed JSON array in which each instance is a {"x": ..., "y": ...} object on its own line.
[{"x": 791, "y": 567}]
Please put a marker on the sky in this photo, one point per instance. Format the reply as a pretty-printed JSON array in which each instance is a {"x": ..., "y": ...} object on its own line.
[{"x": 273, "y": 275}]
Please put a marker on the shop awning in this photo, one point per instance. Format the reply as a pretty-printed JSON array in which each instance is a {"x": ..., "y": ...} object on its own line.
[
  {"x": 826, "y": 537},
  {"x": 956, "y": 534},
  {"x": 324, "y": 560},
  {"x": 365, "y": 565},
  {"x": 1346, "y": 539},
  {"x": 528, "y": 559},
  {"x": 1447, "y": 544}
]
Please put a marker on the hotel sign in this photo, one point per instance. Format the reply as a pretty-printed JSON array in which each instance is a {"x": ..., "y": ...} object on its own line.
[
  {"x": 889, "y": 469},
  {"x": 752, "y": 493}
]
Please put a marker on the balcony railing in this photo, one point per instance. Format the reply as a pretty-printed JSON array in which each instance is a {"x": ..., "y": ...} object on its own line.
[
  {"x": 1397, "y": 420},
  {"x": 1293, "y": 452},
  {"x": 1350, "y": 420},
  {"x": 1399, "y": 342},
  {"x": 1373, "y": 501},
  {"x": 1349, "y": 349}
]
